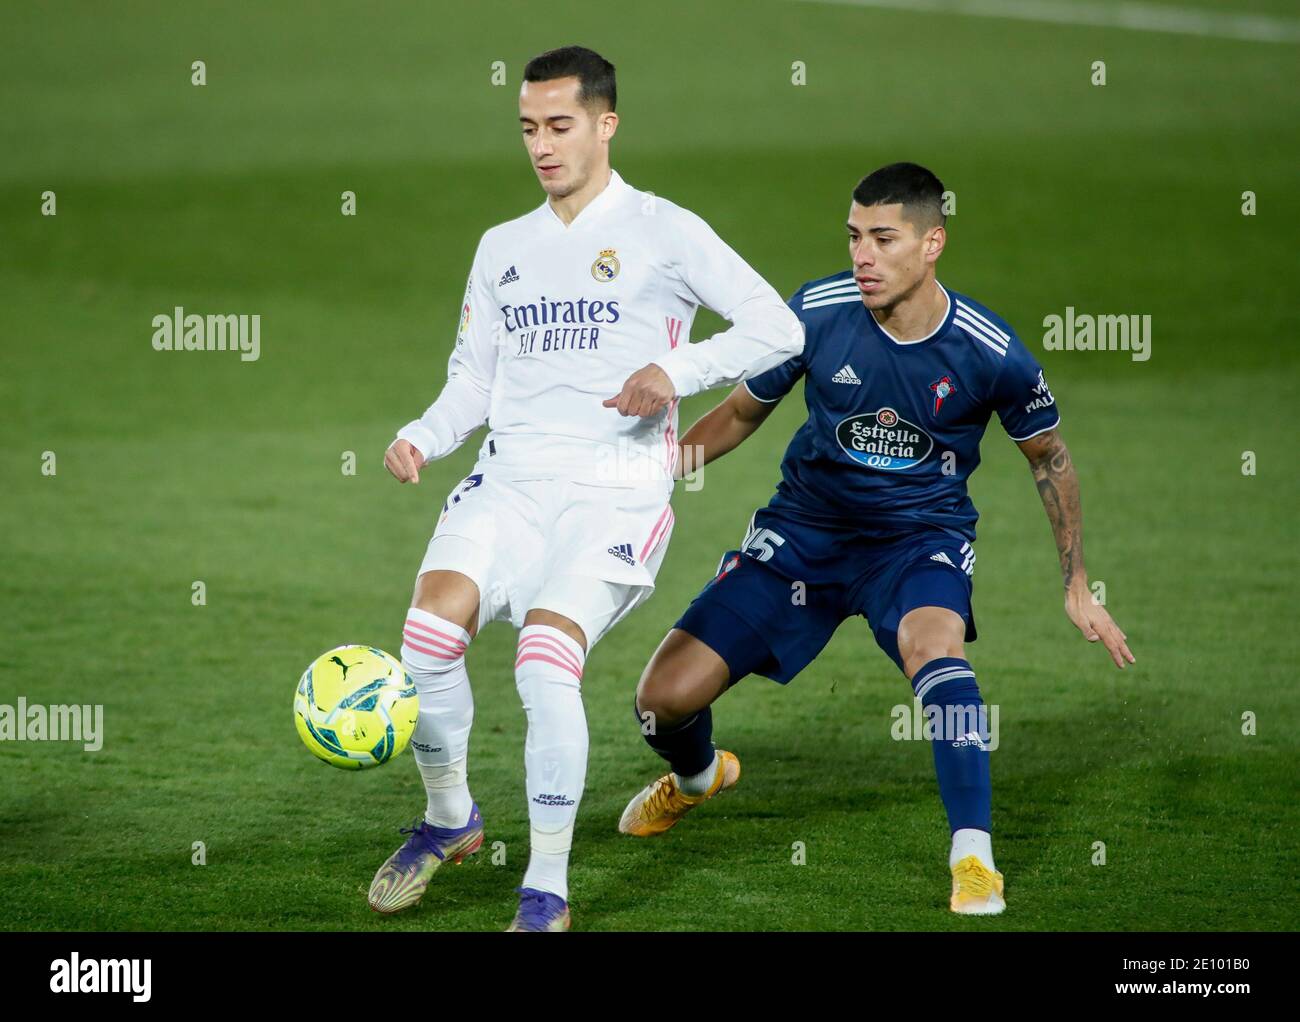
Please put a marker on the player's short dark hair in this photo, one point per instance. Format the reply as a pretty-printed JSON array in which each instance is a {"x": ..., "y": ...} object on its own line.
[
  {"x": 594, "y": 73},
  {"x": 920, "y": 192}
]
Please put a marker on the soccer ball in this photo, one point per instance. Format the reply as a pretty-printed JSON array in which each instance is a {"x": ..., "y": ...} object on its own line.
[{"x": 355, "y": 707}]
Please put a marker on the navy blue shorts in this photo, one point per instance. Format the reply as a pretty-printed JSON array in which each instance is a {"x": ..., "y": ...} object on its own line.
[{"x": 776, "y": 602}]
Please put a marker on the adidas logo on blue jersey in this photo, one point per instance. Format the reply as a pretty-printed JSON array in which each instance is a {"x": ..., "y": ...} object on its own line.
[
  {"x": 941, "y": 556},
  {"x": 846, "y": 375},
  {"x": 623, "y": 552},
  {"x": 509, "y": 277}
]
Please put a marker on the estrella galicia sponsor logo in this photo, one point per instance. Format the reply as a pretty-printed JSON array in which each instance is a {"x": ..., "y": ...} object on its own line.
[{"x": 883, "y": 440}]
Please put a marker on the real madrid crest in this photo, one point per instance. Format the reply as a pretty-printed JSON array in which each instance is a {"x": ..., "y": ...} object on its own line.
[{"x": 605, "y": 268}]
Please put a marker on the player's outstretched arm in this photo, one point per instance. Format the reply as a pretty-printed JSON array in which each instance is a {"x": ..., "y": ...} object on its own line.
[
  {"x": 725, "y": 427},
  {"x": 460, "y": 409},
  {"x": 466, "y": 398},
  {"x": 1058, "y": 486}
]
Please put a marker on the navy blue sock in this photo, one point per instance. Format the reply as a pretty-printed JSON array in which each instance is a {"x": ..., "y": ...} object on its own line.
[
  {"x": 953, "y": 710},
  {"x": 687, "y": 746}
]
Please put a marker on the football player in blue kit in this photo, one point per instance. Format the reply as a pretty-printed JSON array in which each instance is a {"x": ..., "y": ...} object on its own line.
[{"x": 871, "y": 517}]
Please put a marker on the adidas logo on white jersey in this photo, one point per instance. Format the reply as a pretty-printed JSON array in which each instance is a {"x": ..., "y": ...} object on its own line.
[
  {"x": 846, "y": 375},
  {"x": 509, "y": 277},
  {"x": 623, "y": 552}
]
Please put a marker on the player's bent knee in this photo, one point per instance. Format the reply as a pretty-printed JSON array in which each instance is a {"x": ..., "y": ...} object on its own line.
[
  {"x": 922, "y": 655},
  {"x": 682, "y": 678},
  {"x": 549, "y": 618},
  {"x": 450, "y": 595},
  {"x": 659, "y": 695},
  {"x": 919, "y": 653},
  {"x": 930, "y": 633}
]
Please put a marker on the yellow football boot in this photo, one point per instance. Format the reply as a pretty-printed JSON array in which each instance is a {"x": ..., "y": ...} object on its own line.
[
  {"x": 976, "y": 889},
  {"x": 660, "y": 805}
]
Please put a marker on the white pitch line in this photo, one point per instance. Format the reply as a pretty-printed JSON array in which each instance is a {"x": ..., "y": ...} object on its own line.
[{"x": 1140, "y": 17}]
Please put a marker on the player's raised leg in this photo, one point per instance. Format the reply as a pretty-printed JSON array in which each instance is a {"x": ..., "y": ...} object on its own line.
[
  {"x": 930, "y": 645},
  {"x": 548, "y": 674},
  {"x": 673, "y": 708},
  {"x": 439, "y": 625}
]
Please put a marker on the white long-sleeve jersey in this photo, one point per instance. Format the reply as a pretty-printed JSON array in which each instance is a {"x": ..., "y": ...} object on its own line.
[{"x": 556, "y": 317}]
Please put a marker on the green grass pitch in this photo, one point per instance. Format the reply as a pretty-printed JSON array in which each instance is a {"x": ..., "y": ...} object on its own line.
[{"x": 172, "y": 468}]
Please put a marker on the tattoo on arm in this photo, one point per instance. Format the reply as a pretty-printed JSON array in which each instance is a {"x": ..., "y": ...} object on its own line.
[{"x": 1058, "y": 487}]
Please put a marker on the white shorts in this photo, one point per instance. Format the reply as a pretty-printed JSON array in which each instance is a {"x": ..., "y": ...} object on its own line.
[{"x": 586, "y": 551}]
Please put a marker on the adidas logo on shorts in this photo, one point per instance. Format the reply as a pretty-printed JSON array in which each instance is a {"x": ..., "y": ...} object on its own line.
[
  {"x": 967, "y": 563},
  {"x": 623, "y": 552},
  {"x": 509, "y": 277}
]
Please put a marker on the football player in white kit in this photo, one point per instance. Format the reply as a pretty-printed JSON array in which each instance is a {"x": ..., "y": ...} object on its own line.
[{"x": 574, "y": 348}]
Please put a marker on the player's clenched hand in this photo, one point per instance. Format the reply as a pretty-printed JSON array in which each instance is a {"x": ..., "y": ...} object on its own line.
[
  {"x": 404, "y": 459},
  {"x": 646, "y": 392},
  {"x": 1096, "y": 624}
]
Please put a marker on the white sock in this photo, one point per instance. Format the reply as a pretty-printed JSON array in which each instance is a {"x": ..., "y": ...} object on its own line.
[
  {"x": 446, "y": 788},
  {"x": 433, "y": 654},
  {"x": 698, "y": 784},
  {"x": 548, "y": 674},
  {"x": 548, "y": 870},
  {"x": 969, "y": 841}
]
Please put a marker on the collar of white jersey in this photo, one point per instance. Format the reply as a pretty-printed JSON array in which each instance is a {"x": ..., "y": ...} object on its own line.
[{"x": 610, "y": 194}]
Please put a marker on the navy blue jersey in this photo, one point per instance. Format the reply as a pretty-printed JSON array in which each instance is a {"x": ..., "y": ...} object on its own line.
[{"x": 894, "y": 427}]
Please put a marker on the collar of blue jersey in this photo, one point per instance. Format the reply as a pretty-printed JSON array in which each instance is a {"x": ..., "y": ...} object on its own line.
[
  {"x": 933, "y": 335},
  {"x": 610, "y": 194}
]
